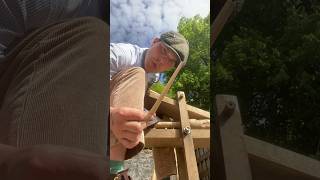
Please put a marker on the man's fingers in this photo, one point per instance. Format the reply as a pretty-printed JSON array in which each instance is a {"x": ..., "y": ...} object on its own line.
[
  {"x": 127, "y": 125},
  {"x": 134, "y": 137},
  {"x": 128, "y": 144},
  {"x": 131, "y": 114},
  {"x": 133, "y": 126}
]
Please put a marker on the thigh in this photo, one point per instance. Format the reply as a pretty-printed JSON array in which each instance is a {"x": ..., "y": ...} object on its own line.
[
  {"x": 57, "y": 86},
  {"x": 127, "y": 88}
]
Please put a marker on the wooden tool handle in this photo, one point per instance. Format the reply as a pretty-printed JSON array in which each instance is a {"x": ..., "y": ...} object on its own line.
[{"x": 164, "y": 92}]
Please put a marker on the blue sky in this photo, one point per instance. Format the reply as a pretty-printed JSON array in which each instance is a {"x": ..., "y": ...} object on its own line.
[{"x": 138, "y": 21}]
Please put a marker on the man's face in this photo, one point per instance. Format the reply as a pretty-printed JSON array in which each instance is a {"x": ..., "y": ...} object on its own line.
[{"x": 159, "y": 58}]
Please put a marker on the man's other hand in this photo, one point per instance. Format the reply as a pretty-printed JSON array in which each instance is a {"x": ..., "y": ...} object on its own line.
[{"x": 127, "y": 125}]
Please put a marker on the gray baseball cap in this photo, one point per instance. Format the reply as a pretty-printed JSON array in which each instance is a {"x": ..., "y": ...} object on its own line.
[{"x": 178, "y": 44}]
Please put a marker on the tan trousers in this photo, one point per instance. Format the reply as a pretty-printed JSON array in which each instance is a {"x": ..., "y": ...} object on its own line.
[
  {"x": 53, "y": 87},
  {"x": 127, "y": 89}
]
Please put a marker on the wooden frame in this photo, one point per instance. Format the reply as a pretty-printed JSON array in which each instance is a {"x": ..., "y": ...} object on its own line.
[
  {"x": 189, "y": 153},
  {"x": 173, "y": 138},
  {"x": 174, "y": 134},
  {"x": 230, "y": 157},
  {"x": 221, "y": 19},
  {"x": 170, "y": 107},
  {"x": 242, "y": 155}
]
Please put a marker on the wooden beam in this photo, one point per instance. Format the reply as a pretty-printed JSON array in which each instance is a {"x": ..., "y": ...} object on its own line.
[
  {"x": 173, "y": 138},
  {"x": 182, "y": 165},
  {"x": 195, "y": 124},
  {"x": 169, "y": 107},
  {"x": 154, "y": 175},
  {"x": 234, "y": 154},
  {"x": 281, "y": 156},
  {"x": 221, "y": 20},
  {"x": 164, "y": 161},
  {"x": 189, "y": 153},
  {"x": 217, "y": 6}
]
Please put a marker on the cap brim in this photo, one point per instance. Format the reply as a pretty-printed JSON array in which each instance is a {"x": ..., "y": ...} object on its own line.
[{"x": 175, "y": 52}]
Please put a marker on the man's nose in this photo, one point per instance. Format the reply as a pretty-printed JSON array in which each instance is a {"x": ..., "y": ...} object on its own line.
[{"x": 163, "y": 59}]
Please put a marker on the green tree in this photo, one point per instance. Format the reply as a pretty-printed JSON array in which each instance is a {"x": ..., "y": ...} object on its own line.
[
  {"x": 158, "y": 87},
  {"x": 194, "y": 78},
  {"x": 269, "y": 58}
]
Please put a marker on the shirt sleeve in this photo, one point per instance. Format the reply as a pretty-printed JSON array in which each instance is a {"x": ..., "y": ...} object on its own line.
[{"x": 123, "y": 56}]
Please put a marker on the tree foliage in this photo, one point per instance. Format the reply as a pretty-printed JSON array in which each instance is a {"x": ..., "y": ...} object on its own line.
[
  {"x": 268, "y": 56},
  {"x": 158, "y": 87},
  {"x": 194, "y": 78}
]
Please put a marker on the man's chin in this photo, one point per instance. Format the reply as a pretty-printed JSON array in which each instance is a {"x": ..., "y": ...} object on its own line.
[
  {"x": 154, "y": 71},
  {"x": 151, "y": 70},
  {"x": 154, "y": 68}
]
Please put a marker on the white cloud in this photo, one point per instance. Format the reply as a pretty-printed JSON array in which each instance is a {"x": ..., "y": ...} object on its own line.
[{"x": 138, "y": 21}]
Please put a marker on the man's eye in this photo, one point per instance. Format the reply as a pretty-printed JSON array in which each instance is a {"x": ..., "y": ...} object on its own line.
[{"x": 163, "y": 51}]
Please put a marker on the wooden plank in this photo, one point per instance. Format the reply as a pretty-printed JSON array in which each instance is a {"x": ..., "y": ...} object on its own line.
[
  {"x": 173, "y": 138},
  {"x": 221, "y": 20},
  {"x": 182, "y": 165},
  {"x": 154, "y": 175},
  {"x": 187, "y": 139},
  {"x": 195, "y": 124},
  {"x": 217, "y": 6},
  {"x": 164, "y": 161},
  {"x": 235, "y": 155},
  {"x": 218, "y": 168},
  {"x": 281, "y": 156},
  {"x": 169, "y": 107}
]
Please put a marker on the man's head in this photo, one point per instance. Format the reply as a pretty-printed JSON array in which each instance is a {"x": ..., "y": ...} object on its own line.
[{"x": 166, "y": 52}]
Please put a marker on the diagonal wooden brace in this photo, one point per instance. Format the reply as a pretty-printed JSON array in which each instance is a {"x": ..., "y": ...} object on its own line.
[{"x": 189, "y": 153}]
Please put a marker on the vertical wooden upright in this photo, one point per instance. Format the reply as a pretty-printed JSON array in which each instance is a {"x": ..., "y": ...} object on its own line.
[
  {"x": 234, "y": 156},
  {"x": 189, "y": 152},
  {"x": 182, "y": 165}
]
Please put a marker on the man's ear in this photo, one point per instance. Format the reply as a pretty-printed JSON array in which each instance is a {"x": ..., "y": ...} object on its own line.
[{"x": 155, "y": 40}]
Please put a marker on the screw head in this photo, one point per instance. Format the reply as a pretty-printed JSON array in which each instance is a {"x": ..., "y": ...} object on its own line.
[{"x": 187, "y": 130}]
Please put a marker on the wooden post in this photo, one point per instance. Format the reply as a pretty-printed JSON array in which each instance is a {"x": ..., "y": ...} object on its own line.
[
  {"x": 217, "y": 6},
  {"x": 233, "y": 161},
  {"x": 154, "y": 175},
  {"x": 189, "y": 153},
  {"x": 221, "y": 19},
  {"x": 182, "y": 165}
]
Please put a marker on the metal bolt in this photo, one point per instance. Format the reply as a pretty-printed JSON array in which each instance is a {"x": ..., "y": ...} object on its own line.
[{"x": 186, "y": 130}]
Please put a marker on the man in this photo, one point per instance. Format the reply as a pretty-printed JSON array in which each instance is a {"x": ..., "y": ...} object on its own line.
[
  {"x": 130, "y": 66},
  {"x": 52, "y": 90}
]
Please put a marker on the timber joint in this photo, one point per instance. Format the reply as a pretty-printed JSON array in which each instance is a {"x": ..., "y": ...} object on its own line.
[{"x": 186, "y": 130}]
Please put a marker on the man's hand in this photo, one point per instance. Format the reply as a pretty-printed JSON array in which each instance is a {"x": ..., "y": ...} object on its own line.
[{"x": 127, "y": 125}]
